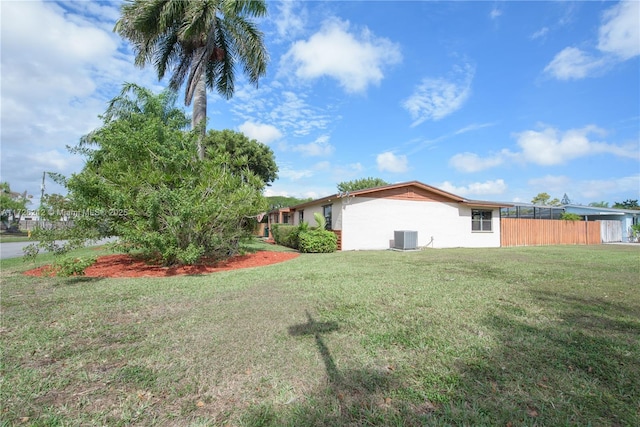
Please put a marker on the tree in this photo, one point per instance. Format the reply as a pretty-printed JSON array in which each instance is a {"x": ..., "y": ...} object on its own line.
[
  {"x": 143, "y": 182},
  {"x": 599, "y": 204},
  {"x": 12, "y": 206},
  {"x": 135, "y": 99},
  {"x": 55, "y": 207},
  {"x": 243, "y": 152},
  {"x": 198, "y": 43},
  {"x": 361, "y": 184},
  {"x": 568, "y": 216},
  {"x": 276, "y": 202},
  {"x": 545, "y": 200},
  {"x": 627, "y": 204}
]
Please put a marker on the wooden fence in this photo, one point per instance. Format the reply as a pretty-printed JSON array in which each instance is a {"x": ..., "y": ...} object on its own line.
[
  {"x": 338, "y": 234},
  {"x": 611, "y": 231},
  {"x": 540, "y": 232}
]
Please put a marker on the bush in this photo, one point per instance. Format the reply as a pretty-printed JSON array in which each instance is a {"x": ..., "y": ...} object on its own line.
[
  {"x": 285, "y": 235},
  {"x": 72, "y": 266},
  {"x": 288, "y": 235},
  {"x": 318, "y": 241},
  {"x": 570, "y": 216},
  {"x": 142, "y": 181}
]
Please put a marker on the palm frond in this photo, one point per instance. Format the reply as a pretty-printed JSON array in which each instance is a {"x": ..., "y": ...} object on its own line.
[{"x": 191, "y": 39}]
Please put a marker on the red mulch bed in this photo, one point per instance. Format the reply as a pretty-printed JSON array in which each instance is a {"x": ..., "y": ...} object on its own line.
[{"x": 126, "y": 266}]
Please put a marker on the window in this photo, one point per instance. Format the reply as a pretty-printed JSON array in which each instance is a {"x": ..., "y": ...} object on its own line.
[
  {"x": 300, "y": 217},
  {"x": 480, "y": 220},
  {"x": 326, "y": 212},
  {"x": 285, "y": 218}
]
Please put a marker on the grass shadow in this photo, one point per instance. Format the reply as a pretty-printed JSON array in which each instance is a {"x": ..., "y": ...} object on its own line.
[
  {"x": 349, "y": 396},
  {"x": 581, "y": 361},
  {"x": 79, "y": 280}
]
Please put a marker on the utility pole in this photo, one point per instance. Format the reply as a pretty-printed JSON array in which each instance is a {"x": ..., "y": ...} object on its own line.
[
  {"x": 41, "y": 201},
  {"x": 42, "y": 189}
]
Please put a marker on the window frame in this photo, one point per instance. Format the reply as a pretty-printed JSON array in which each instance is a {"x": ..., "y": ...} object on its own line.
[
  {"x": 479, "y": 218},
  {"x": 328, "y": 218}
]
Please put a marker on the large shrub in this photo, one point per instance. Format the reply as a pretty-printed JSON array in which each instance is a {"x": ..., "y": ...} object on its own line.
[
  {"x": 288, "y": 235},
  {"x": 317, "y": 241},
  {"x": 569, "y": 216},
  {"x": 143, "y": 182},
  {"x": 285, "y": 235}
]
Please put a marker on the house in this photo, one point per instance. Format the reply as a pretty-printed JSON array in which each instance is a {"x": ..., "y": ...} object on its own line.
[
  {"x": 368, "y": 219},
  {"x": 276, "y": 216},
  {"x": 614, "y": 232}
]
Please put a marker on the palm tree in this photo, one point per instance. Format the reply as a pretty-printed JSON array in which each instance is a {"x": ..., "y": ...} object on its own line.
[
  {"x": 135, "y": 99},
  {"x": 199, "y": 42}
]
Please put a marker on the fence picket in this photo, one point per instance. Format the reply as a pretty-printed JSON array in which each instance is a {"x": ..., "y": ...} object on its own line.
[{"x": 540, "y": 232}]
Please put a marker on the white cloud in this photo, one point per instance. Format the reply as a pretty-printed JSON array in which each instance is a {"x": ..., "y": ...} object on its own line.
[
  {"x": 586, "y": 191},
  {"x": 290, "y": 19},
  {"x": 546, "y": 147},
  {"x": 471, "y": 162},
  {"x": 620, "y": 33},
  {"x": 495, "y": 13},
  {"x": 436, "y": 98},
  {"x": 61, "y": 63},
  {"x": 390, "y": 162},
  {"x": 356, "y": 61},
  {"x": 420, "y": 143},
  {"x": 497, "y": 186},
  {"x": 294, "y": 175},
  {"x": 573, "y": 63},
  {"x": 594, "y": 189},
  {"x": 319, "y": 147},
  {"x": 552, "y": 147},
  {"x": 346, "y": 172},
  {"x": 285, "y": 110},
  {"x": 261, "y": 132},
  {"x": 540, "y": 33},
  {"x": 551, "y": 184},
  {"x": 473, "y": 127},
  {"x": 618, "y": 40}
]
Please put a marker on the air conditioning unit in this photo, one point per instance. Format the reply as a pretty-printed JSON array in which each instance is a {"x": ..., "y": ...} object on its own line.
[{"x": 405, "y": 240}]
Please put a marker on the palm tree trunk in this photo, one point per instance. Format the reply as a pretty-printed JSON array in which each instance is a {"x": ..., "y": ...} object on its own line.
[{"x": 199, "y": 116}]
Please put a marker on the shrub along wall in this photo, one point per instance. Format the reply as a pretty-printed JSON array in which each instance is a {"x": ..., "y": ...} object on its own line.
[
  {"x": 307, "y": 240},
  {"x": 318, "y": 241},
  {"x": 286, "y": 235}
]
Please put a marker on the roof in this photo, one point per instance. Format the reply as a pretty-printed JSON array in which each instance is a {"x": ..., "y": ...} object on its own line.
[
  {"x": 585, "y": 210},
  {"x": 603, "y": 211},
  {"x": 418, "y": 184}
]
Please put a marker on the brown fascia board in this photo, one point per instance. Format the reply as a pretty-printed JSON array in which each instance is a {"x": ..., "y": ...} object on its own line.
[
  {"x": 279, "y": 210},
  {"x": 484, "y": 204},
  {"x": 314, "y": 202},
  {"x": 418, "y": 184},
  {"x": 376, "y": 189}
]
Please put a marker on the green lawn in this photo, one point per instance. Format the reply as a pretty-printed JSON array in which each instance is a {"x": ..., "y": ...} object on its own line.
[
  {"x": 528, "y": 336},
  {"x": 14, "y": 237}
]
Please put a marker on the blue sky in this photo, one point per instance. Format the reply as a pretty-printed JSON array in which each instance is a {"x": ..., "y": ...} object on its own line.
[{"x": 488, "y": 100}]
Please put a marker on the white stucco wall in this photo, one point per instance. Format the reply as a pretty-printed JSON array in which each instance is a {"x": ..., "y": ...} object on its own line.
[
  {"x": 309, "y": 211},
  {"x": 369, "y": 223}
]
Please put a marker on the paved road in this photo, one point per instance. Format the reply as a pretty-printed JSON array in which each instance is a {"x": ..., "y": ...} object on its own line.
[{"x": 14, "y": 249}]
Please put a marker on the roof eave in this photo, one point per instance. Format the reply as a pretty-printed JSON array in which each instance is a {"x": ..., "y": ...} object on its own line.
[{"x": 484, "y": 204}]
